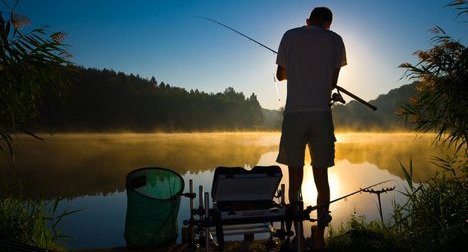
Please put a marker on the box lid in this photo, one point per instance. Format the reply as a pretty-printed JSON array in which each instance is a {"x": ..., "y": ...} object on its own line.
[{"x": 239, "y": 184}]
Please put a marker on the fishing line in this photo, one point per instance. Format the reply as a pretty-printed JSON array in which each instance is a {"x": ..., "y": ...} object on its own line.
[
  {"x": 312, "y": 208},
  {"x": 255, "y": 41},
  {"x": 238, "y": 32},
  {"x": 264, "y": 46},
  {"x": 277, "y": 91}
]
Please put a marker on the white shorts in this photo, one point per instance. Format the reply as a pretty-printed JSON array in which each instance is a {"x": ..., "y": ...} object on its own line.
[{"x": 314, "y": 129}]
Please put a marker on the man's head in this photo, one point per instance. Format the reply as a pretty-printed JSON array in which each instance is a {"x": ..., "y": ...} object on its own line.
[{"x": 320, "y": 16}]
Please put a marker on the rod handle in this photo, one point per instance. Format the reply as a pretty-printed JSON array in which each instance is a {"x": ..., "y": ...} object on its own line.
[{"x": 356, "y": 98}]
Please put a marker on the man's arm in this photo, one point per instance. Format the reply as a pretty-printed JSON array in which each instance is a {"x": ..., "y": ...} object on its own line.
[
  {"x": 336, "y": 73},
  {"x": 281, "y": 73}
]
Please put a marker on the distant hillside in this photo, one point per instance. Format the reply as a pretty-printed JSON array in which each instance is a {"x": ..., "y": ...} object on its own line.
[{"x": 355, "y": 116}]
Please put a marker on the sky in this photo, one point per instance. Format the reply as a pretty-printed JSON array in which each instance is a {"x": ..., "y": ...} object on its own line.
[{"x": 167, "y": 40}]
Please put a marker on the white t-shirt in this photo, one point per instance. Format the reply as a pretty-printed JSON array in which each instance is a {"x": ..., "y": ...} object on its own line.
[{"x": 310, "y": 55}]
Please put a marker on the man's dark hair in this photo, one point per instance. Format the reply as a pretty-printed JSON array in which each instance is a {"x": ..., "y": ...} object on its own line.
[{"x": 321, "y": 14}]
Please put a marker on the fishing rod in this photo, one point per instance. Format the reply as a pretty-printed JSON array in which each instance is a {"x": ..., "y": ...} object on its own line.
[
  {"x": 240, "y": 33},
  {"x": 275, "y": 52},
  {"x": 312, "y": 208},
  {"x": 356, "y": 98}
]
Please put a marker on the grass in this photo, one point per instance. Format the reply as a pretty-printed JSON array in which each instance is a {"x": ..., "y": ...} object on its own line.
[
  {"x": 358, "y": 235},
  {"x": 434, "y": 217},
  {"x": 33, "y": 222}
]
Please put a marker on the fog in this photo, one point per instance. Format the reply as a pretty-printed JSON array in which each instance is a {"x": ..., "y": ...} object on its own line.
[{"x": 88, "y": 164}]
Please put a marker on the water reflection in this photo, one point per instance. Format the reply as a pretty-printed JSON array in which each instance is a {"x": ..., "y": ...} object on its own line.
[
  {"x": 387, "y": 150},
  {"x": 345, "y": 178},
  {"x": 90, "y": 171},
  {"x": 74, "y": 165}
]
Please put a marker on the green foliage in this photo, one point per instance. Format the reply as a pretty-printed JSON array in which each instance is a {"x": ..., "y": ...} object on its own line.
[
  {"x": 31, "y": 221},
  {"x": 32, "y": 64},
  {"x": 434, "y": 216},
  {"x": 441, "y": 103},
  {"x": 359, "y": 235}
]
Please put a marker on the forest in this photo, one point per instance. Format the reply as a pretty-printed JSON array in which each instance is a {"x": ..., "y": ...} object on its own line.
[{"x": 105, "y": 100}]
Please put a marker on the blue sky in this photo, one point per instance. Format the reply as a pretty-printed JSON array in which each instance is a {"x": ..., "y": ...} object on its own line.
[{"x": 164, "y": 39}]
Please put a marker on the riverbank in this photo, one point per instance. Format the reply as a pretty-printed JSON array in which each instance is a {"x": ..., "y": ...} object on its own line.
[{"x": 231, "y": 246}]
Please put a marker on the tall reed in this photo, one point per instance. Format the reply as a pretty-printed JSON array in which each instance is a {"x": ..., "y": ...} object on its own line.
[
  {"x": 432, "y": 218},
  {"x": 31, "y": 221}
]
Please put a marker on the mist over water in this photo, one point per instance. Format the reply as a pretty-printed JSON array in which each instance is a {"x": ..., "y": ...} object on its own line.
[{"x": 90, "y": 169}]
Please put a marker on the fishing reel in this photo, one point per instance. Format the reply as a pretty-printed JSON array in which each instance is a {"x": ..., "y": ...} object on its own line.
[{"x": 336, "y": 97}]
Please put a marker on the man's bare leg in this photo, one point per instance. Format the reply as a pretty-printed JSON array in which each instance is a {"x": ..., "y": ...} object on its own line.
[
  {"x": 323, "y": 199},
  {"x": 295, "y": 184}
]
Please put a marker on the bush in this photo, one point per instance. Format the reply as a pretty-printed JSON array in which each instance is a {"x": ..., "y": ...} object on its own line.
[
  {"x": 358, "y": 235},
  {"x": 434, "y": 217}
]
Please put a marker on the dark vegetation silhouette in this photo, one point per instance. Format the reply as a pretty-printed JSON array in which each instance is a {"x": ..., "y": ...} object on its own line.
[
  {"x": 353, "y": 116},
  {"x": 433, "y": 215},
  {"x": 104, "y": 100},
  {"x": 33, "y": 62}
]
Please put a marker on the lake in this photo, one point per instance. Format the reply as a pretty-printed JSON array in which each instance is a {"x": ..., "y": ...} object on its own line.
[{"x": 89, "y": 170}]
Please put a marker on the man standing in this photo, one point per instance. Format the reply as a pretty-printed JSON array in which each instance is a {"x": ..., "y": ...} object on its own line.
[{"x": 310, "y": 58}]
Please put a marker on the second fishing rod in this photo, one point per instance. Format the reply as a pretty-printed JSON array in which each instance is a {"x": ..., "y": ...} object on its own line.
[{"x": 355, "y": 97}]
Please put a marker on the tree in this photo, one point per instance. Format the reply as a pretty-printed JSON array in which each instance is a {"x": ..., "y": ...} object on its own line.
[
  {"x": 441, "y": 104},
  {"x": 32, "y": 65}
]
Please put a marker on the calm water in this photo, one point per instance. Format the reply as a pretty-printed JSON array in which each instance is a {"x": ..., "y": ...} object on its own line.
[{"x": 90, "y": 169}]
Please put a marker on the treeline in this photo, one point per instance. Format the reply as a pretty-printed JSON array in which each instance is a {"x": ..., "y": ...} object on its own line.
[
  {"x": 357, "y": 117},
  {"x": 103, "y": 100}
]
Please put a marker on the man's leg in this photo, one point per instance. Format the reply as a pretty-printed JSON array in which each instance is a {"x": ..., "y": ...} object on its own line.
[
  {"x": 295, "y": 184},
  {"x": 323, "y": 199}
]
